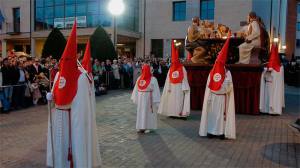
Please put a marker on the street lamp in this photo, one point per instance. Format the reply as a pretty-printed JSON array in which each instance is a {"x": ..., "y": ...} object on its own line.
[
  {"x": 276, "y": 40},
  {"x": 284, "y": 47},
  {"x": 116, "y": 8}
]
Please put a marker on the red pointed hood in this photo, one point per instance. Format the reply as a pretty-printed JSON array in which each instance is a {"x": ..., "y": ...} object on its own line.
[
  {"x": 86, "y": 62},
  {"x": 65, "y": 87},
  {"x": 145, "y": 77},
  {"x": 274, "y": 61},
  {"x": 217, "y": 74},
  {"x": 176, "y": 71},
  {"x": 189, "y": 57}
]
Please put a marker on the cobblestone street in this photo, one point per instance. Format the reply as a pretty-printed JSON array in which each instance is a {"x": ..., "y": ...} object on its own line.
[{"x": 262, "y": 140}]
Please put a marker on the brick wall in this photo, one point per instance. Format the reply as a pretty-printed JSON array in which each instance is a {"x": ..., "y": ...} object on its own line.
[{"x": 291, "y": 28}]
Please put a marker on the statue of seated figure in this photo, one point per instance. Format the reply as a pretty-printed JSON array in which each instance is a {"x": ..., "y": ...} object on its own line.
[{"x": 194, "y": 44}]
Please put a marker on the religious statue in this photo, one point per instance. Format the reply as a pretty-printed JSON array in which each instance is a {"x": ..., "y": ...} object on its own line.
[
  {"x": 252, "y": 39},
  {"x": 193, "y": 43},
  {"x": 222, "y": 31}
]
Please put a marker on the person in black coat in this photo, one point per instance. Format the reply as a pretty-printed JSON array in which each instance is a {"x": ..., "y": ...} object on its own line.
[
  {"x": 34, "y": 69},
  {"x": 18, "y": 97}
]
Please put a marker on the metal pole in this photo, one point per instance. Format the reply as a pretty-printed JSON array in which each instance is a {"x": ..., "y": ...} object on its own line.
[
  {"x": 144, "y": 28},
  {"x": 30, "y": 35},
  {"x": 50, "y": 117},
  {"x": 271, "y": 16},
  {"x": 279, "y": 19},
  {"x": 115, "y": 32}
]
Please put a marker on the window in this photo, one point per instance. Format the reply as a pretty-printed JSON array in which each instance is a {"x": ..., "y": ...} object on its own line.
[
  {"x": 59, "y": 11},
  {"x": 298, "y": 8},
  {"x": 49, "y": 12},
  {"x": 49, "y": 23},
  {"x": 69, "y": 1},
  {"x": 48, "y": 2},
  {"x": 70, "y": 10},
  {"x": 207, "y": 9},
  {"x": 39, "y": 3},
  {"x": 298, "y": 26},
  {"x": 298, "y": 43},
  {"x": 39, "y": 14},
  {"x": 59, "y": 2},
  {"x": 157, "y": 47},
  {"x": 106, "y": 20},
  {"x": 81, "y": 9},
  {"x": 16, "y": 21},
  {"x": 93, "y": 7},
  {"x": 179, "y": 10},
  {"x": 93, "y": 20}
]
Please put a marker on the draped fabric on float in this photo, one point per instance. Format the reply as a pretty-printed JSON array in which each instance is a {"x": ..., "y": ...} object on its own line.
[{"x": 246, "y": 84}]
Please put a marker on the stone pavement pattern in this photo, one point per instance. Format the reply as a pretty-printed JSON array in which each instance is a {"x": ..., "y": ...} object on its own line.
[{"x": 262, "y": 141}]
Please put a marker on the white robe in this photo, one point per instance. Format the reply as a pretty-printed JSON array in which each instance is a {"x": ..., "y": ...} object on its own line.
[
  {"x": 175, "y": 98},
  {"x": 272, "y": 92},
  {"x": 85, "y": 149},
  {"x": 246, "y": 48},
  {"x": 212, "y": 118},
  {"x": 146, "y": 116}
]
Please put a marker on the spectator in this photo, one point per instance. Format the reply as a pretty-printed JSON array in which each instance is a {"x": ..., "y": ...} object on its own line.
[
  {"x": 34, "y": 69},
  {"x": 6, "y": 85},
  {"x": 36, "y": 93},
  {"x": 5, "y": 105},
  {"x": 108, "y": 66},
  {"x": 126, "y": 74},
  {"x": 137, "y": 70},
  {"x": 115, "y": 68},
  {"x": 109, "y": 75},
  {"x": 19, "y": 89}
]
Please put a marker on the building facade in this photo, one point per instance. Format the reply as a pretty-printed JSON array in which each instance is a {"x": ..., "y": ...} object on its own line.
[
  {"x": 169, "y": 19},
  {"x": 27, "y": 23},
  {"x": 147, "y": 26}
]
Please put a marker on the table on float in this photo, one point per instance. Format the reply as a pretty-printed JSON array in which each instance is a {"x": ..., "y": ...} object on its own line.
[{"x": 246, "y": 83}]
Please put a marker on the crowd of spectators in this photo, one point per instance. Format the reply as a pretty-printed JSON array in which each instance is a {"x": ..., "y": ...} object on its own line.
[
  {"x": 123, "y": 72},
  {"x": 24, "y": 81}
]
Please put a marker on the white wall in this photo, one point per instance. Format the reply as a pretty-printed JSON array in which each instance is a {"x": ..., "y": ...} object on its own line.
[
  {"x": 232, "y": 12},
  {"x": 160, "y": 25},
  {"x": 7, "y": 6}
]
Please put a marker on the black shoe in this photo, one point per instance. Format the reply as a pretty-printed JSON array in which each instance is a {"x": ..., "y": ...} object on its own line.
[
  {"x": 222, "y": 137},
  {"x": 210, "y": 136},
  {"x": 6, "y": 111},
  {"x": 184, "y": 118},
  {"x": 141, "y": 132}
]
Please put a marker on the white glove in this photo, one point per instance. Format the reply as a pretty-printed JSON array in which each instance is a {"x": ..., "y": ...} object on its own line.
[
  {"x": 49, "y": 96},
  {"x": 268, "y": 69}
]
